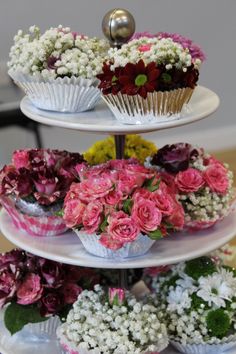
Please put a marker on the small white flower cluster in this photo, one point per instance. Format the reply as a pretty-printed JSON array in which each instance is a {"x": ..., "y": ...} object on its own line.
[
  {"x": 206, "y": 205},
  {"x": 187, "y": 305},
  {"x": 132, "y": 328},
  {"x": 57, "y": 53},
  {"x": 161, "y": 51}
]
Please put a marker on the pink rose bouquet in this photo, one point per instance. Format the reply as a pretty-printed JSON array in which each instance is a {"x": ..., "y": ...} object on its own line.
[
  {"x": 204, "y": 185},
  {"x": 120, "y": 208},
  {"x": 34, "y": 289},
  {"x": 33, "y": 187}
]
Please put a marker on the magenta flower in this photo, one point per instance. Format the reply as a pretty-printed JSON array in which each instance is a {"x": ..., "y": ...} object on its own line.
[
  {"x": 71, "y": 292},
  {"x": 30, "y": 290},
  {"x": 116, "y": 296},
  {"x": 7, "y": 287},
  {"x": 52, "y": 273},
  {"x": 51, "y": 304}
]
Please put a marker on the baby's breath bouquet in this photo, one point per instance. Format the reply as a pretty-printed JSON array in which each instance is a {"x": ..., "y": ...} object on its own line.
[
  {"x": 112, "y": 323},
  {"x": 135, "y": 147},
  {"x": 58, "y": 68},
  {"x": 197, "y": 303}
]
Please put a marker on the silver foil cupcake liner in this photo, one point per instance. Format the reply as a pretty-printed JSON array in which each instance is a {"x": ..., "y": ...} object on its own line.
[
  {"x": 157, "y": 107},
  {"x": 138, "y": 247},
  {"x": 62, "y": 94}
]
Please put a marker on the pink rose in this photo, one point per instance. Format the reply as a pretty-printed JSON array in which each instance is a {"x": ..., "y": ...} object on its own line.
[
  {"x": 94, "y": 188},
  {"x": 70, "y": 292},
  {"x": 92, "y": 216},
  {"x": 141, "y": 193},
  {"x": 116, "y": 296},
  {"x": 216, "y": 178},
  {"x": 73, "y": 212},
  {"x": 169, "y": 181},
  {"x": 110, "y": 242},
  {"x": 163, "y": 201},
  {"x": 73, "y": 192},
  {"x": 154, "y": 271},
  {"x": 126, "y": 182},
  {"x": 146, "y": 215},
  {"x": 7, "y": 287},
  {"x": 140, "y": 172},
  {"x": 113, "y": 198},
  {"x": 20, "y": 158},
  {"x": 144, "y": 47},
  {"x": 30, "y": 290},
  {"x": 177, "y": 216},
  {"x": 122, "y": 227},
  {"x": 190, "y": 180}
]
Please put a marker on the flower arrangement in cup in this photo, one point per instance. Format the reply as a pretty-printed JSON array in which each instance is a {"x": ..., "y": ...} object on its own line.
[
  {"x": 57, "y": 69},
  {"x": 35, "y": 290},
  {"x": 135, "y": 147},
  {"x": 120, "y": 208},
  {"x": 203, "y": 184},
  {"x": 33, "y": 187},
  {"x": 149, "y": 79},
  {"x": 112, "y": 323},
  {"x": 197, "y": 303}
]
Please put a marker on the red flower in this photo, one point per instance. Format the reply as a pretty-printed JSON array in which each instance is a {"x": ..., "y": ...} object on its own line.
[
  {"x": 139, "y": 79},
  {"x": 109, "y": 80}
]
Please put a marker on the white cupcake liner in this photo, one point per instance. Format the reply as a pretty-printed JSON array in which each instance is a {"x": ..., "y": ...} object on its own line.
[
  {"x": 203, "y": 348},
  {"x": 40, "y": 331},
  {"x": 61, "y": 94},
  {"x": 39, "y": 226},
  {"x": 135, "y": 248},
  {"x": 157, "y": 107}
]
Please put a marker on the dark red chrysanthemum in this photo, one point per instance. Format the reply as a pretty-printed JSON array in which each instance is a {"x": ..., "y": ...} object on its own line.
[
  {"x": 139, "y": 79},
  {"x": 109, "y": 80}
]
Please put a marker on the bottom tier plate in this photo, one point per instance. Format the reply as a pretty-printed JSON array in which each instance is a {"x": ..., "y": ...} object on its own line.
[{"x": 67, "y": 248}]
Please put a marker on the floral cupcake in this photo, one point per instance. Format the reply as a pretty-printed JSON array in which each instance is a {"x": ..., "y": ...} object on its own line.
[
  {"x": 196, "y": 301},
  {"x": 149, "y": 79},
  {"x": 112, "y": 324},
  {"x": 120, "y": 208},
  {"x": 57, "y": 69},
  {"x": 33, "y": 188},
  {"x": 204, "y": 185}
]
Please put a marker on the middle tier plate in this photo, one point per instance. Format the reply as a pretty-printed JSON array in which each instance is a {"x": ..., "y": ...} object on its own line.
[
  {"x": 68, "y": 249},
  {"x": 101, "y": 120}
]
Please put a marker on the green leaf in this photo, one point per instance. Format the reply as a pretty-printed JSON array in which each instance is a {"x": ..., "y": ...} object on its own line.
[
  {"x": 127, "y": 206},
  {"x": 59, "y": 213},
  {"x": 17, "y": 316},
  {"x": 104, "y": 224},
  {"x": 166, "y": 77},
  {"x": 155, "y": 235},
  {"x": 149, "y": 184}
]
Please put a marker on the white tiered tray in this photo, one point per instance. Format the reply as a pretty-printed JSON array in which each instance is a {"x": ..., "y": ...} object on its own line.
[
  {"x": 101, "y": 120},
  {"x": 68, "y": 249}
]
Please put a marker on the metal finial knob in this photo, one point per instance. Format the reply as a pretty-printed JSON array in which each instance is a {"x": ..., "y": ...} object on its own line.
[{"x": 118, "y": 26}]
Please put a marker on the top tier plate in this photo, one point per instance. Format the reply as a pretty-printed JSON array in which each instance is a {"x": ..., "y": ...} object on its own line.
[{"x": 101, "y": 120}]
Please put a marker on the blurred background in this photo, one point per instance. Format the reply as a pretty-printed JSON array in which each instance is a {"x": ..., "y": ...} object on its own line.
[{"x": 210, "y": 23}]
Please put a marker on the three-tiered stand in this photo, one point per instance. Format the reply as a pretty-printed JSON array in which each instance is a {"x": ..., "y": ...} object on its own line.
[{"x": 68, "y": 249}]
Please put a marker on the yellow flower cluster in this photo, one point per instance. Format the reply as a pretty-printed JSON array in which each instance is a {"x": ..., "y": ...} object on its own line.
[{"x": 104, "y": 150}]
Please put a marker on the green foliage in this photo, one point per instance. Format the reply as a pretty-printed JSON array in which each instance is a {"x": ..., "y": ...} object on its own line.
[
  {"x": 150, "y": 186},
  {"x": 198, "y": 267},
  {"x": 197, "y": 302},
  {"x": 127, "y": 206},
  {"x": 171, "y": 281},
  {"x": 155, "y": 235},
  {"x": 104, "y": 224},
  {"x": 218, "y": 323},
  {"x": 17, "y": 316}
]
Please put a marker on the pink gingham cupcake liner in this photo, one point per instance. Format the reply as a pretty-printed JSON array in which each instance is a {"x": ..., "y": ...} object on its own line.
[{"x": 34, "y": 225}]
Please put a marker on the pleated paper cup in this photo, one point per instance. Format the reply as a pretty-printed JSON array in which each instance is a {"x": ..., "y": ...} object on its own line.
[
  {"x": 157, "y": 107},
  {"x": 203, "y": 348},
  {"x": 34, "y": 225},
  {"x": 40, "y": 331},
  {"x": 69, "y": 95},
  {"x": 138, "y": 247}
]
